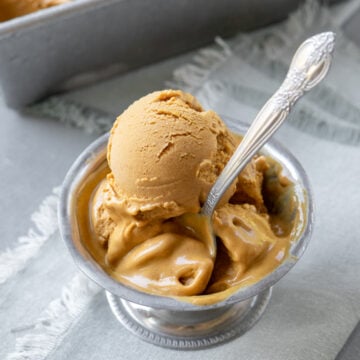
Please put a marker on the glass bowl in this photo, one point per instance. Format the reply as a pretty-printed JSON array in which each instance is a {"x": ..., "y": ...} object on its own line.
[{"x": 171, "y": 322}]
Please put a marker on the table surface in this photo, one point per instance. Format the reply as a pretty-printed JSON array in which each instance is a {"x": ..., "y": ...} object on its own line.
[{"x": 30, "y": 165}]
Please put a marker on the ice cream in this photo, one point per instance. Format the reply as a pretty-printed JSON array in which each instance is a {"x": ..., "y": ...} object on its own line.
[
  {"x": 10, "y": 9},
  {"x": 164, "y": 154}
]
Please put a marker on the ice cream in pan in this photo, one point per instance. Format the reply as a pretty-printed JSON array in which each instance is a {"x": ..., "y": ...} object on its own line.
[
  {"x": 164, "y": 154},
  {"x": 10, "y": 9}
]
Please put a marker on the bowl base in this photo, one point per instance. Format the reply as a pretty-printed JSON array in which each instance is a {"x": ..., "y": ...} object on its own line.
[{"x": 189, "y": 330}]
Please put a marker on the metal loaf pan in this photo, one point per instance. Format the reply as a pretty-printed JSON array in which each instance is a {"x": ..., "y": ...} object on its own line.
[{"x": 75, "y": 43}]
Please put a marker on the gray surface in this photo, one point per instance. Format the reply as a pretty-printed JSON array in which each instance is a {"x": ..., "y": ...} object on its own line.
[
  {"x": 351, "y": 349},
  {"x": 43, "y": 51},
  {"x": 352, "y": 28},
  {"x": 31, "y": 166},
  {"x": 310, "y": 306}
]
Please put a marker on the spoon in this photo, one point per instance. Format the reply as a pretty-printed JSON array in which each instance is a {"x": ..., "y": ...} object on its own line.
[{"x": 308, "y": 67}]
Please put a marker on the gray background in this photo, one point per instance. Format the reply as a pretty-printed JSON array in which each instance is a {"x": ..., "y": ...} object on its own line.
[{"x": 37, "y": 152}]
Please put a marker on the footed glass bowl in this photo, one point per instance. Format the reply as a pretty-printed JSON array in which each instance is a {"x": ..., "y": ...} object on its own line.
[{"x": 171, "y": 322}]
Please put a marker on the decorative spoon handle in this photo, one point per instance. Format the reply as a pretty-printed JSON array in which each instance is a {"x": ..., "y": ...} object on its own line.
[{"x": 308, "y": 67}]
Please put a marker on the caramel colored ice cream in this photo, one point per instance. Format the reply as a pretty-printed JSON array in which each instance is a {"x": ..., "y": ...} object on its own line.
[
  {"x": 10, "y": 9},
  {"x": 164, "y": 154}
]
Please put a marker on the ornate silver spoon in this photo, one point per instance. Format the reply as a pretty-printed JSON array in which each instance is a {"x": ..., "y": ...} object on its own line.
[{"x": 308, "y": 67}]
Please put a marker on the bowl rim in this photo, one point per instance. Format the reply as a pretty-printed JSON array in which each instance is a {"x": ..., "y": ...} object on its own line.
[{"x": 92, "y": 270}]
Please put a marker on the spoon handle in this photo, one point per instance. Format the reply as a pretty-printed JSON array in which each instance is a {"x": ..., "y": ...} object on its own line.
[{"x": 308, "y": 67}]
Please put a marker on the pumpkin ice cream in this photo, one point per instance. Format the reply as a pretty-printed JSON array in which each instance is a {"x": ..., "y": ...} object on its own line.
[
  {"x": 10, "y": 9},
  {"x": 164, "y": 154}
]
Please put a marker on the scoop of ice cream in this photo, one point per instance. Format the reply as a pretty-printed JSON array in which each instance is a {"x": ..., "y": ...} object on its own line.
[
  {"x": 10, "y": 9},
  {"x": 165, "y": 152}
]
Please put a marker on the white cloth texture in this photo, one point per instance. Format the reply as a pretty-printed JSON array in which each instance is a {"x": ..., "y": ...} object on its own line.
[{"x": 48, "y": 310}]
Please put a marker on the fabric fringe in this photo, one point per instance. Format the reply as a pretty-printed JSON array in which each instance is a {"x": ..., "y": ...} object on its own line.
[
  {"x": 323, "y": 96},
  {"x": 45, "y": 225},
  {"x": 345, "y": 13},
  {"x": 52, "y": 326},
  {"x": 339, "y": 121},
  {"x": 192, "y": 76},
  {"x": 326, "y": 114},
  {"x": 72, "y": 113},
  {"x": 299, "y": 25}
]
